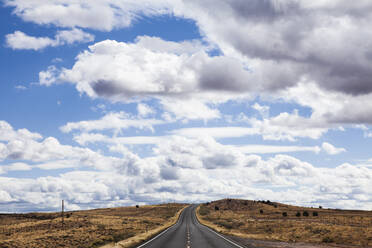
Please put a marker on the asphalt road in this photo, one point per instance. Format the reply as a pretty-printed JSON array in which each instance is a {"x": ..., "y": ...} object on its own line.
[{"x": 189, "y": 233}]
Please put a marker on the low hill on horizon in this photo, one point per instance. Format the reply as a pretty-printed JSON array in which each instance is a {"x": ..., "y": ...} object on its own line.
[{"x": 273, "y": 221}]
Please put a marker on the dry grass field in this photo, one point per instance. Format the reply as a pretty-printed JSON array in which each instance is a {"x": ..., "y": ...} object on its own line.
[
  {"x": 91, "y": 228},
  {"x": 279, "y": 222}
]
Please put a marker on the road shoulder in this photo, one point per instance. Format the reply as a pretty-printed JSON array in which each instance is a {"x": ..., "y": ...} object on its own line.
[{"x": 143, "y": 237}]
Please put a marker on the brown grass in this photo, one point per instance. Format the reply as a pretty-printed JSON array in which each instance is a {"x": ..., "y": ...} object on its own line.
[
  {"x": 91, "y": 228},
  {"x": 142, "y": 237},
  {"x": 243, "y": 218}
]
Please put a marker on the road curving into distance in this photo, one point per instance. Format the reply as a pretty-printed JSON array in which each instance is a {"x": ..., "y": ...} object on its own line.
[{"x": 189, "y": 233}]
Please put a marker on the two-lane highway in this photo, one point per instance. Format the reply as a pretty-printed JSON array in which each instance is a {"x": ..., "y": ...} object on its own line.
[{"x": 189, "y": 233}]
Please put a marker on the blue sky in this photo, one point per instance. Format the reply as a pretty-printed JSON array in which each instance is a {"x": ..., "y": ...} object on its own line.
[{"x": 112, "y": 103}]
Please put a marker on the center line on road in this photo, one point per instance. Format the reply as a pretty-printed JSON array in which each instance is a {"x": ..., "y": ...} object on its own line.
[{"x": 188, "y": 245}]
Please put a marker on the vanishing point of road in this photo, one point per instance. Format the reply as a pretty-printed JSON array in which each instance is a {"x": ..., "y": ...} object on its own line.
[{"x": 189, "y": 233}]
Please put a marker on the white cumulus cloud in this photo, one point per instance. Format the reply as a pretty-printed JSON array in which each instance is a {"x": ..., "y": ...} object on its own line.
[
  {"x": 19, "y": 40},
  {"x": 332, "y": 150}
]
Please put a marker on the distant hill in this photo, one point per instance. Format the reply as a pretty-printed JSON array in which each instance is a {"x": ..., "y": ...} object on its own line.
[{"x": 267, "y": 220}]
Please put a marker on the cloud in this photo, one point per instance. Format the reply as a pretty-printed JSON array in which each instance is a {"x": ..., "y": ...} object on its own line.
[
  {"x": 73, "y": 36},
  {"x": 330, "y": 107},
  {"x": 19, "y": 40},
  {"x": 279, "y": 41},
  {"x": 182, "y": 47},
  {"x": 20, "y": 87},
  {"x": 15, "y": 167},
  {"x": 150, "y": 72},
  {"x": 184, "y": 169},
  {"x": 95, "y": 14},
  {"x": 315, "y": 54},
  {"x": 284, "y": 126},
  {"x": 144, "y": 110},
  {"x": 331, "y": 150},
  {"x": 263, "y": 149},
  {"x": 194, "y": 170},
  {"x": 263, "y": 110},
  {"x": 48, "y": 153},
  {"x": 193, "y": 83},
  {"x": 188, "y": 109},
  {"x": 112, "y": 121},
  {"x": 300, "y": 37},
  {"x": 7, "y": 133},
  {"x": 215, "y": 132},
  {"x": 49, "y": 76}
]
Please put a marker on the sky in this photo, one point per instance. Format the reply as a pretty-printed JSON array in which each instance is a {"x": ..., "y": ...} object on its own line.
[{"x": 108, "y": 103}]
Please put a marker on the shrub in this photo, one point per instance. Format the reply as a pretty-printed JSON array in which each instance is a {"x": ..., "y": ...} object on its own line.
[
  {"x": 261, "y": 211},
  {"x": 216, "y": 208},
  {"x": 121, "y": 236},
  {"x": 284, "y": 214},
  {"x": 203, "y": 211},
  {"x": 315, "y": 213},
  {"x": 327, "y": 239},
  {"x": 298, "y": 214},
  {"x": 305, "y": 213},
  {"x": 101, "y": 227},
  {"x": 137, "y": 206},
  {"x": 275, "y": 206},
  {"x": 320, "y": 207},
  {"x": 225, "y": 224}
]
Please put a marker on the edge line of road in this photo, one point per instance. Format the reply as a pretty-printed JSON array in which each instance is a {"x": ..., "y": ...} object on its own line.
[
  {"x": 211, "y": 230},
  {"x": 160, "y": 234}
]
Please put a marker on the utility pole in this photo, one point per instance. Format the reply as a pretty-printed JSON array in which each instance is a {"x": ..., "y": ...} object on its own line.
[{"x": 63, "y": 209}]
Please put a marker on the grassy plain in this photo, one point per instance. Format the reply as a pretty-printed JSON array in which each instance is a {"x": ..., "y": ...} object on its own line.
[
  {"x": 90, "y": 228},
  {"x": 279, "y": 222}
]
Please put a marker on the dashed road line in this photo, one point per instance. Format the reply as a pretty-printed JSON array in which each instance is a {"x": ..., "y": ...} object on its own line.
[
  {"x": 166, "y": 230},
  {"x": 188, "y": 245}
]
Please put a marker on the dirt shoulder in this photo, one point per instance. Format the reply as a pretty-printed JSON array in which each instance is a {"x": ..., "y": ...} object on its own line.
[{"x": 269, "y": 224}]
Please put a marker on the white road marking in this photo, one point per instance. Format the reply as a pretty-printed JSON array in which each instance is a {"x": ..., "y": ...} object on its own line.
[
  {"x": 188, "y": 245},
  {"x": 231, "y": 242},
  {"x": 163, "y": 232}
]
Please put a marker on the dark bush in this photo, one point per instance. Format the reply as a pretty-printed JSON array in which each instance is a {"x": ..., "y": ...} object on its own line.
[
  {"x": 137, "y": 206},
  {"x": 121, "y": 236},
  {"x": 216, "y": 208},
  {"x": 320, "y": 207},
  {"x": 207, "y": 203},
  {"x": 298, "y": 214},
  {"x": 261, "y": 211},
  {"x": 275, "y": 206},
  {"x": 315, "y": 213},
  {"x": 225, "y": 224},
  {"x": 305, "y": 213},
  {"x": 327, "y": 239},
  {"x": 284, "y": 214}
]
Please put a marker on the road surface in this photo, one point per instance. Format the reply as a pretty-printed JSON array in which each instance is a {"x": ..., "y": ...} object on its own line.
[{"x": 189, "y": 233}]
